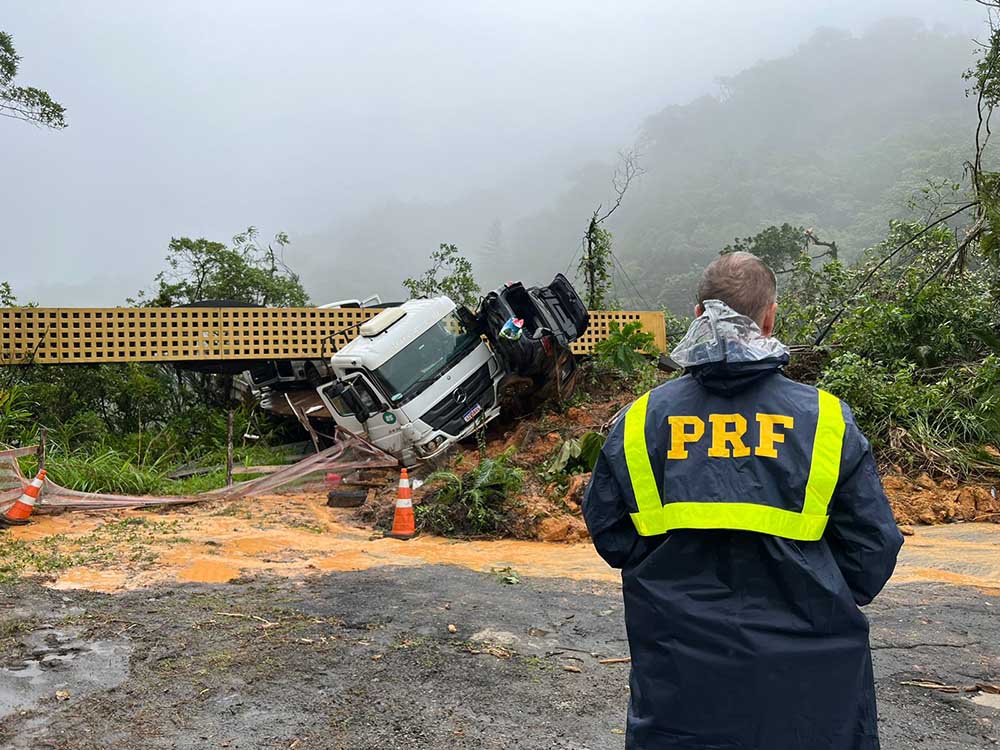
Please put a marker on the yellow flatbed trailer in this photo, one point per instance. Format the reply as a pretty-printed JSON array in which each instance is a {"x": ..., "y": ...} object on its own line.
[{"x": 95, "y": 335}]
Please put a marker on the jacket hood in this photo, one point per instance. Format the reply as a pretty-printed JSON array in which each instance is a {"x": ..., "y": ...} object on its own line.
[{"x": 726, "y": 351}]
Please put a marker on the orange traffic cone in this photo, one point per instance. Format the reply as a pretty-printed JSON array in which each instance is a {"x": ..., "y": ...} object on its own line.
[
  {"x": 402, "y": 523},
  {"x": 19, "y": 513}
]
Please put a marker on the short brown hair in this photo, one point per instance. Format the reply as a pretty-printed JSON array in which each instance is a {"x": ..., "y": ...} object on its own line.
[{"x": 741, "y": 280}]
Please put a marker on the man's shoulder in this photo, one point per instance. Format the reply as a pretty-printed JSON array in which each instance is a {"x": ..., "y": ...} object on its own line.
[{"x": 800, "y": 394}]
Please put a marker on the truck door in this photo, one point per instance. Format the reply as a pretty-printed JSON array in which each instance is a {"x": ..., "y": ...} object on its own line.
[
  {"x": 565, "y": 307},
  {"x": 352, "y": 401}
]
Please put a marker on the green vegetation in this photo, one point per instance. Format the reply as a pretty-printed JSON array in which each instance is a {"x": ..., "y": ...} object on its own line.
[
  {"x": 625, "y": 346},
  {"x": 576, "y": 456},
  {"x": 458, "y": 281},
  {"x": 476, "y": 503},
  {"x": 249, "y": 272},
  {"x": 25, "y": 102},
  {"x": 127, "y": 539},
  {"x": 124, "y": 428},
  {"x": 627, "y": 353},
  {"x": 916, "y": 352}
]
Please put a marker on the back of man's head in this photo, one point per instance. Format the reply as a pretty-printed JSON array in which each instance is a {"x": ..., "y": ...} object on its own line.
[{"x": 741, "y": 280}]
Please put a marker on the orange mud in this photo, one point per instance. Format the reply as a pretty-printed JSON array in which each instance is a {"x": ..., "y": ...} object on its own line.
[
  {"x": 966, "y": 554},
  {"x": 292, "y": 535},
  {"x": 298, "y": 535}
]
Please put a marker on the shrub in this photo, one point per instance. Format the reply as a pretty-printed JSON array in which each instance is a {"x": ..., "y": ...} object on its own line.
[
  {"x": 476, "y": 503},
  {"x": 625, "y": 353},
  {"x": 577, "y": 456},
  {"x": 15, "y": 414},
  {"x": 625, "y": 347}
]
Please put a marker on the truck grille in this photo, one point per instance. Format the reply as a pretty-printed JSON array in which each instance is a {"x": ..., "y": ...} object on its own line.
[{"x": 448, "y": 414}]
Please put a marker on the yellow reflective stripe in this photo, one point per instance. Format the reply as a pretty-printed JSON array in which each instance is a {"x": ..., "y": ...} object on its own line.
[
  {"x": 824, "y": 471},
  {"x": 640, "y": 471},
  {"x": 653, "y": 517},
  {"x": 764, "y": 519}
]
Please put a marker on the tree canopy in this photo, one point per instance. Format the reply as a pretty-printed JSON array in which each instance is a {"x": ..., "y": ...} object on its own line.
[
  {"x": 248, "y": 271},
  {"x": 458, "y": 282},
  {"x": 26, "y": 103}
]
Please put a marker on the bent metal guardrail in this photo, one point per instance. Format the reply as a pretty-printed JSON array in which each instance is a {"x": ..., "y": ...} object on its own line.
[{"x": 91, "y": 335}]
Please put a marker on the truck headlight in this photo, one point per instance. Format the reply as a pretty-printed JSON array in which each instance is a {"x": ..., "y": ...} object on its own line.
[{"x": 432, "y": 445}]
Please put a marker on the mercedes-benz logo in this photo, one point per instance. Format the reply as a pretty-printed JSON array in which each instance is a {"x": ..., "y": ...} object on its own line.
[{"x": 460, "y": 397}]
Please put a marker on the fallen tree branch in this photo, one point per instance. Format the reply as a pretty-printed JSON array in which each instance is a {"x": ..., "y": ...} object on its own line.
[
  {"x": 969, "y": 237},
  {"x": 853, "y": 295}
]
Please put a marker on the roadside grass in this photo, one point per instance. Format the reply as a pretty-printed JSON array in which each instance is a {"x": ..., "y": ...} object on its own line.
[
  {"x": 110, "y": 470},
  {"x": 123, "y": 540}
]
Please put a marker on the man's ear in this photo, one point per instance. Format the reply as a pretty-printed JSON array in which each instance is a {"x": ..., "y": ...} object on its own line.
[
  {"x": 767, "y": 324},
  {"x": 698, "y": 310}
]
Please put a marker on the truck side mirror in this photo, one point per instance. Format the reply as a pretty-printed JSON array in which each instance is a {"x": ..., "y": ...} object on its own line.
[
  {"x": 361, "y": 412},
  {"x": 472, "y": 322},
  {"x": 345, "y": 392}
]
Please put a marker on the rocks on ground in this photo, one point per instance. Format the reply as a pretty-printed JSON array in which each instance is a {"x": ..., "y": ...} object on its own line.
[{"x": 924, "y": 500}]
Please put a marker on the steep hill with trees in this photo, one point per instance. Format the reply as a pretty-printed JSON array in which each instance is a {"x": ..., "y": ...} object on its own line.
[{"x": 839, "y": 136}]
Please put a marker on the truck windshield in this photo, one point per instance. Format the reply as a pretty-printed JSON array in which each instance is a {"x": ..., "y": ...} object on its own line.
[{"x": 426, "y": 358}]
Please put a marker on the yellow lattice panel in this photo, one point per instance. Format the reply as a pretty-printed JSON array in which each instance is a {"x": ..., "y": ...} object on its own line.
[
  {"x": 181, "y": 334},
  {"x": 600, "y": 321},
  {"x": 21, "y": 332}
]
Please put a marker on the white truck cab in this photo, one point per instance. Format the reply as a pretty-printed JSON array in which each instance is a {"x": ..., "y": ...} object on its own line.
[{"x": 417, "y": 378}]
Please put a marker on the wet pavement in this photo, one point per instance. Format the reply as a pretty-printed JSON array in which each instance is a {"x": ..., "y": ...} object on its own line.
[
  {"x": 55, "y": 659},
  {"x": 262, "y": 632},
  {"x": 420, "y": 657}
]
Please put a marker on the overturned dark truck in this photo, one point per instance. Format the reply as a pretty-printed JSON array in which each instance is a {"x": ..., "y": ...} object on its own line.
[{"x": 425, "y": 374}]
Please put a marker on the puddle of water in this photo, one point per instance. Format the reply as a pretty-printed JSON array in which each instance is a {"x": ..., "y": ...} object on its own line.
[
  {"x": 991, "y": 700},
  {"x": 60, "y": 660},
  {"x": 208, "y": 571},
  {"x": 959, "y": 554}
]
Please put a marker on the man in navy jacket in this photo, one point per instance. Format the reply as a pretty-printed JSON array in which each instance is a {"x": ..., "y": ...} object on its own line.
[{"x": 748, "y": 520}]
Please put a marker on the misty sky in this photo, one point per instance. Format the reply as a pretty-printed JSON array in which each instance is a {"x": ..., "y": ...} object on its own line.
[{"x": 200, "y": 118}]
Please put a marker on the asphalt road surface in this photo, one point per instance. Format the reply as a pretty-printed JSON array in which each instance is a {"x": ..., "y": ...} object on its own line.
[{"x": 413, "y": 657}]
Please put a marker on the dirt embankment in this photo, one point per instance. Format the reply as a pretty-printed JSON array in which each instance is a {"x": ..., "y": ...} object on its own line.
[
  {"x": 925, "y": 500},
  {"x": 549, "y": 506}
]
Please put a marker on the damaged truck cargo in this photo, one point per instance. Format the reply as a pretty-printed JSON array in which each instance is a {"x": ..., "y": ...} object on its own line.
[{"x": 428, "y": 373}]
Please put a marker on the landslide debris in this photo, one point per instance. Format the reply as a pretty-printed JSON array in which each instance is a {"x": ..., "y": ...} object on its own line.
[{"x": 547, "y": 507}]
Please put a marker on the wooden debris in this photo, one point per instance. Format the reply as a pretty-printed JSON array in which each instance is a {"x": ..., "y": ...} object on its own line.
[
  {"x": 619, "y": 660},
  {"x": 264, "y": 623},
  {"x": 979, "y": 687},
  {"x": 932, "y": 685}
]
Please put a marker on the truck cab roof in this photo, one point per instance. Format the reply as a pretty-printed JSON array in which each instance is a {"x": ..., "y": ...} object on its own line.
[{"x": 391, "y": 334}]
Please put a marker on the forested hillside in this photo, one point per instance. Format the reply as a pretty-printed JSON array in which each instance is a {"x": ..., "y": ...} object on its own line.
[{"x": 839, "y": 136}]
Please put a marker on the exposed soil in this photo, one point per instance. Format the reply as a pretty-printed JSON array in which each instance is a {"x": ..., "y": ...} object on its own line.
[
  {"x": 926, "y": 501},
  {"x": 549, "y": 506},
  {"x": 549, "y": 510}
]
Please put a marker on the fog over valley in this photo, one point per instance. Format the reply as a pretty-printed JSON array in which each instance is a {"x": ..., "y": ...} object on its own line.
[{"x": 372, "y": 133}]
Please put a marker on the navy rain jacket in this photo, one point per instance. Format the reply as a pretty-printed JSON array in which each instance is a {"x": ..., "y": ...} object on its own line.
[{"x": 742, "y": 640}]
